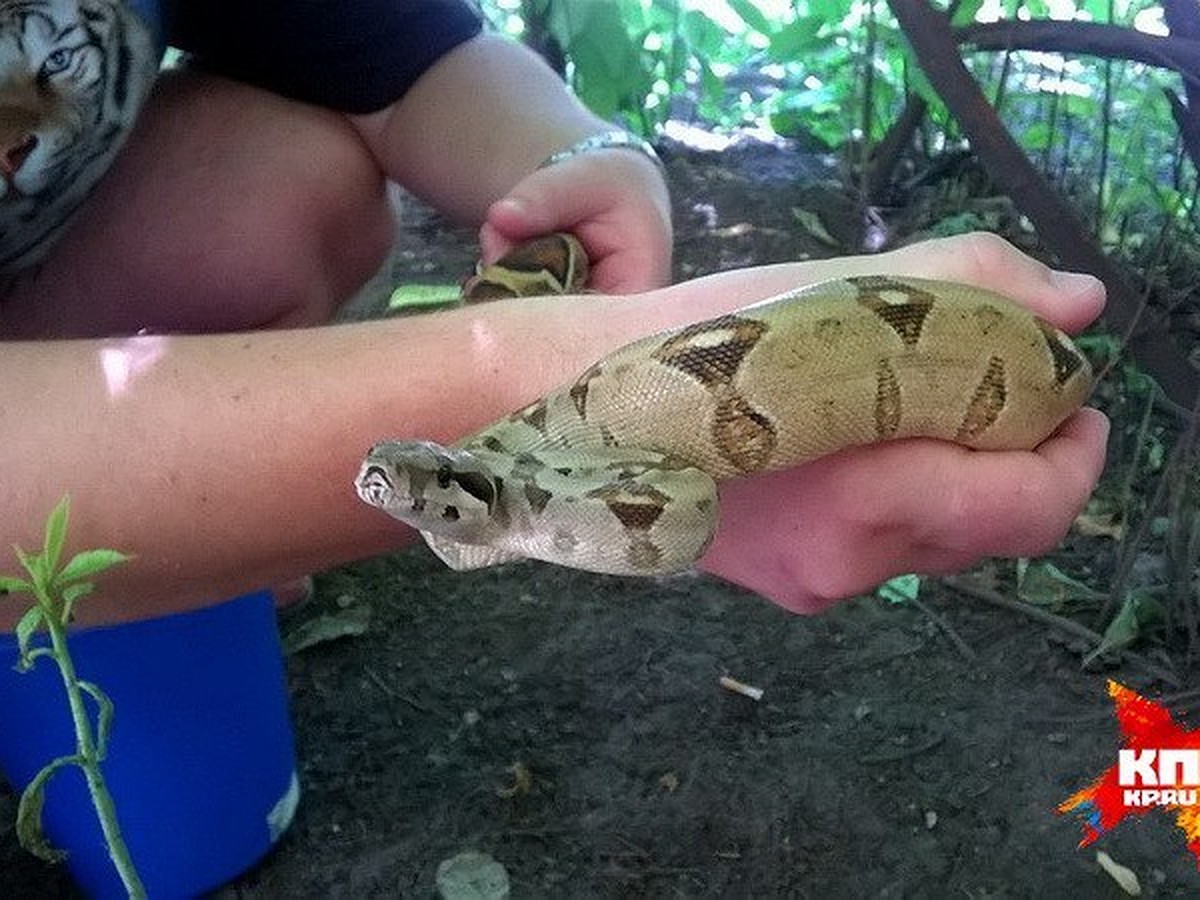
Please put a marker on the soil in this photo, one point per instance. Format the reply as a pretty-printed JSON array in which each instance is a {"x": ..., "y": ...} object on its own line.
[{"x": 573, "y": 727}]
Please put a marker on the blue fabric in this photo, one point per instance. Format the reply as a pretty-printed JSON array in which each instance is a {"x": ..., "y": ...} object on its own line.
[
  {"x": 355, "y": 56},
  {"x": 200, "y": 754},
  {"x": 150, "y": 12}
]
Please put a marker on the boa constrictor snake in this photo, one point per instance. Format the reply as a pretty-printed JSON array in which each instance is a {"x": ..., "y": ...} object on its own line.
[{"x": 617, "y": 471}]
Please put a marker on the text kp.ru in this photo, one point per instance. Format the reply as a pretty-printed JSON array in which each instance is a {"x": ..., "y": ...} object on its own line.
[{"x": 1159, "y": 777}]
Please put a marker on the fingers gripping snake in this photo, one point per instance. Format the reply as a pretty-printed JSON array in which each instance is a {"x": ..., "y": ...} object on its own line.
[{"x": 617, "y": 471}]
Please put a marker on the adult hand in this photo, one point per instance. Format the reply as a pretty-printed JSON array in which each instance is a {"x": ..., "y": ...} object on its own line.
[
  {"x": 809, "y": 536},
  {"x": 614, "y": 201}
]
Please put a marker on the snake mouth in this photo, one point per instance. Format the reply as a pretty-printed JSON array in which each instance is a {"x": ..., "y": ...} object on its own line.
[{"x": 375, "y": 487}]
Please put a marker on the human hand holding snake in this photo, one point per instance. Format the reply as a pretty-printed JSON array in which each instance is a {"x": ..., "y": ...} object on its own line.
[
  {"x": 616, "y": 202},
  {"x": 808, "y": 537},
  {"x": 826, "y": 529}
]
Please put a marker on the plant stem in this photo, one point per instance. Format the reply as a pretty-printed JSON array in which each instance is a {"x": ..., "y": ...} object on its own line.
[{"x": 86, "y": 746}]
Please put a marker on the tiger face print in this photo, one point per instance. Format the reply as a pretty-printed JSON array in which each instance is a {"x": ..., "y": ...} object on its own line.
[{"x": 73, "y": 74}]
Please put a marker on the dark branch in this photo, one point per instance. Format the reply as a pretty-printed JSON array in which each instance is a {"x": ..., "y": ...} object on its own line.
[
  {"x": 929, "y": 33},
  {"x": 1090, "y": 39}
]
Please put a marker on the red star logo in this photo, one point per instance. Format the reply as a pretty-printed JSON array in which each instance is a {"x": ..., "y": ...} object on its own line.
[{"x": 1147, "y": 729}]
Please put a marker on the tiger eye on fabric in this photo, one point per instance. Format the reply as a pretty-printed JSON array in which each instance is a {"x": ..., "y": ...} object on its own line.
[{"x": 75, "y": 76}]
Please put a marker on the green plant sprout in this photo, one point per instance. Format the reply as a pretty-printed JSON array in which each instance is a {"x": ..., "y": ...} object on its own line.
[{"x": 55, "y": 592}]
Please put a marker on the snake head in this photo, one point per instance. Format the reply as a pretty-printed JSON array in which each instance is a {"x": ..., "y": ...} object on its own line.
[{"x": 428, "y": 486}]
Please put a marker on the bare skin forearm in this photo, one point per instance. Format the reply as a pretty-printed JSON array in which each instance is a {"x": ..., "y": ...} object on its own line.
[
  {"x": 505, "y": 111},
  {"x": 224, "y": 463}
]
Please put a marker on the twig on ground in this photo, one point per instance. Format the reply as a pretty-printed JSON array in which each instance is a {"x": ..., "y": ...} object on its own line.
[
  {"x": 979, "y": 592},
  {"x": 940, "y": 621}
]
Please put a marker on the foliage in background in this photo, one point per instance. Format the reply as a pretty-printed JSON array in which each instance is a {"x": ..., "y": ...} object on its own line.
[{"x": 839, "y": 72}]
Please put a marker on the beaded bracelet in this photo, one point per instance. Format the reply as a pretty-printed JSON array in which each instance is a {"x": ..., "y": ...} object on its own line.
[{"x": 605, "y": 140}]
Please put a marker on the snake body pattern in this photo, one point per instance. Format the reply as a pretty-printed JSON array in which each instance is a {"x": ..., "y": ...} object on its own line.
[{"x": 617, "y": 471}]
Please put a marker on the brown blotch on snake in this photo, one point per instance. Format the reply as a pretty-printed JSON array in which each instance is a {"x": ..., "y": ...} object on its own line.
[
  {"x": 888, "y": 405},
  {"x": 987, "y": 403},
  {"x": 906, "y": 317},
  {"x": 533, "y": 415},
  {"x": 579, "y": 390},
  {"x": 544, "y": 254},
  {"x": 553, "y": 264},
  {"x": 636, "y": 506},
  {"x": 742, "y": 434},
  {"x": 1067, "y": 361},
  {"x": 642, "y": 554},
  {"x": 829, "y": 331},
  {"x": 715, "y": 363},
  {"x": 538, "y": 497},
  {"x": 987, "y": 317}
]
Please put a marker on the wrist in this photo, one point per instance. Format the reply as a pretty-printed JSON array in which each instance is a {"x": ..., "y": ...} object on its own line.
[{"x": 611, "y": 139}]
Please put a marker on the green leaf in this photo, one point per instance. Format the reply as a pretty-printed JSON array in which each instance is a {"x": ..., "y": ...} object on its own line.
[
  {"x": 796, "y": 38},
  {"x": 12, "y": 585},
  {"x": 33, "y": 563},
  {"x": 25, "y": 663},
  {"x": 1041, "y": 583},
  {"x": 29, "y": 812},
  {"x": 702, "y": 34},
  {"x": 56, "y": 533},
  {"x": 70, "y": 594},
  {"x": 749, "y": 13},
  {"x": 418, "y": 296},
  {"x": 88, "y": 562},
  {"x": 1139, "y": 613},
  {"x": 349, "y": 622},
  {"x": 27, "y": 627},
  {"x": 829, "y": 10},
  {"x": 901, "y": 589},
  {"x": 104, "y": 716}
]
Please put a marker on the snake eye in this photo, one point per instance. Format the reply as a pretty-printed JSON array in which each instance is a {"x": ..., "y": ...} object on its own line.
[{"x": 444, "y": 475}]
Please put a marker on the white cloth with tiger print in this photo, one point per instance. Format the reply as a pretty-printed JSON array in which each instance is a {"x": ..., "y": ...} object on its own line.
[{"x": 73, "y": 75}]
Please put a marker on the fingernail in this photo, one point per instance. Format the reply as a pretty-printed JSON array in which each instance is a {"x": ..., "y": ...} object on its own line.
[
  {"x": 514, "y": 205},
  {"x": 1076, "y": 283}
]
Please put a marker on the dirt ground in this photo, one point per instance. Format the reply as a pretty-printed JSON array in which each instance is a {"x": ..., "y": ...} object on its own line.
[{"x": 572, "y": 725}]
